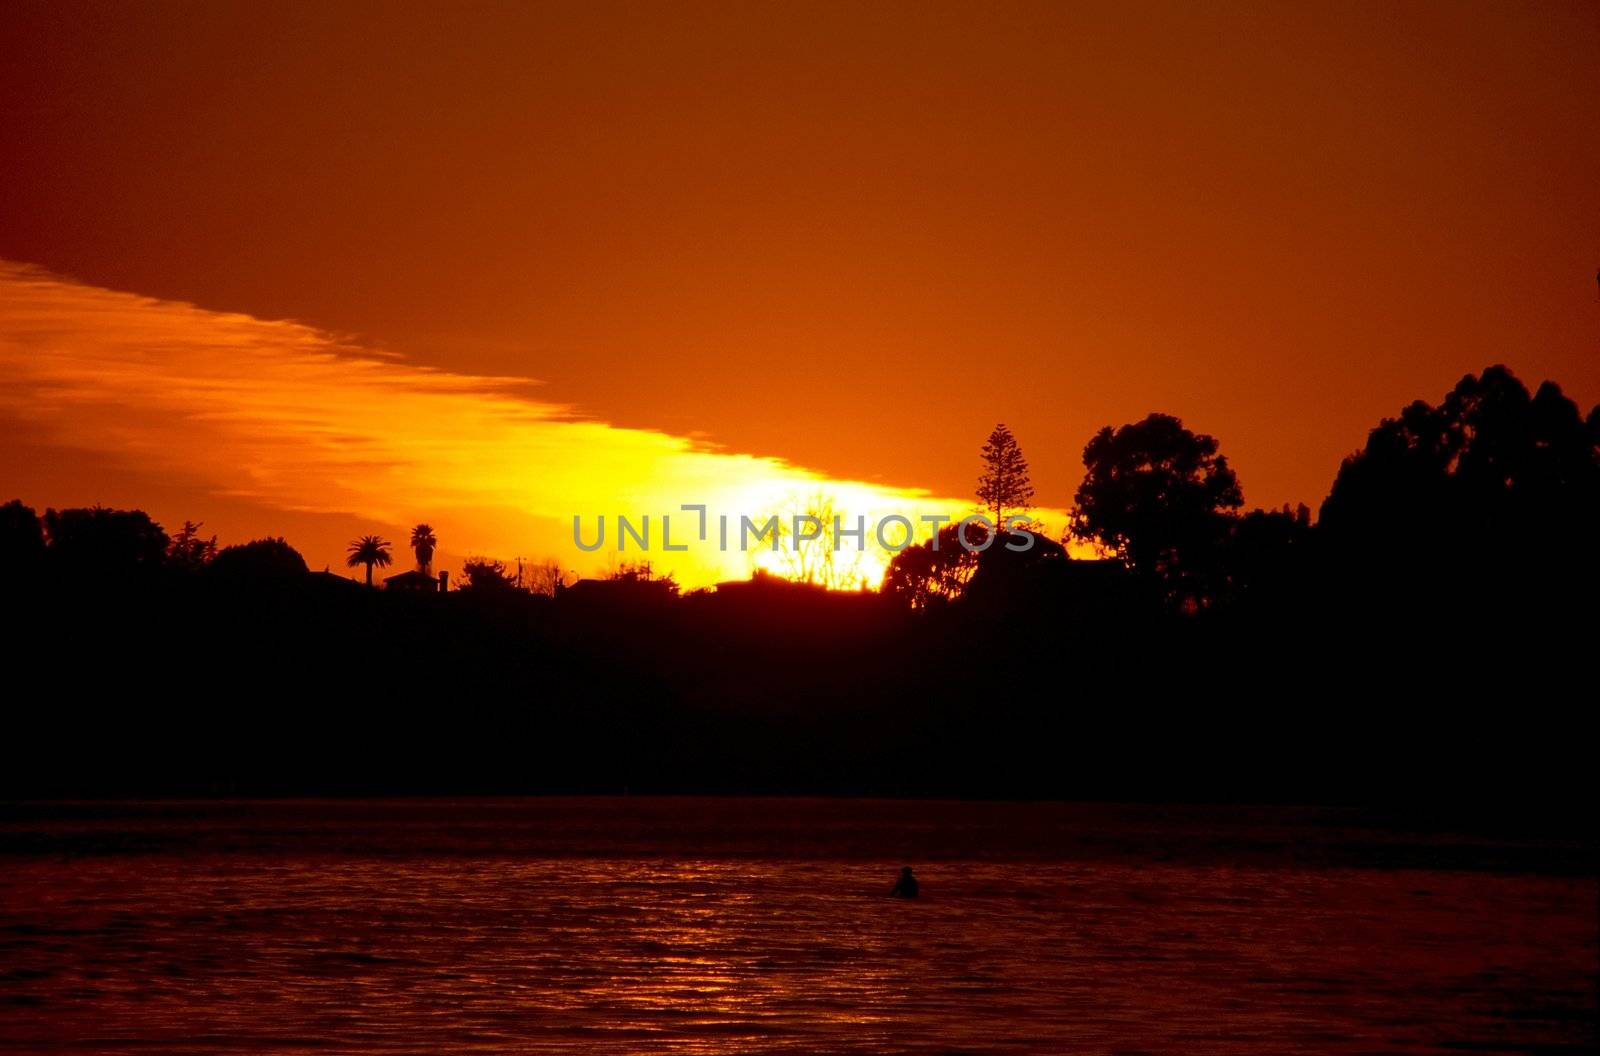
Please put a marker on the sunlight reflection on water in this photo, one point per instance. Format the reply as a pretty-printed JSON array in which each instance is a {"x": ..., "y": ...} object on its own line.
[{"x": 219, "y": 952}]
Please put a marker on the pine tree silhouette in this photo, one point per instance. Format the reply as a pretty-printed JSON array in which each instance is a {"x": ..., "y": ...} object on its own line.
[{"x": 1004, "y": 483}]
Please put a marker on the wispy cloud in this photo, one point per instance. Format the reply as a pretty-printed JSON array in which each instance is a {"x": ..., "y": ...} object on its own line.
[{"x": 291, "y": 417}]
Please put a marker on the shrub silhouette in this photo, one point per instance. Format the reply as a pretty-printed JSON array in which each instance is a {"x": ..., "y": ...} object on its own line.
[{"x": 258, "y": 561}]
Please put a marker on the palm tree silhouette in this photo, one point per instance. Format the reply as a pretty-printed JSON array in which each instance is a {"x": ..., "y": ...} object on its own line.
[
  {"x": 423, "y": 542},
  {"x": 369, "y": 550}
]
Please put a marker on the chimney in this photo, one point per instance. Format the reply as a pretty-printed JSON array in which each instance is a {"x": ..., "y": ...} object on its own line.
[{"x": 444, "y": 582}]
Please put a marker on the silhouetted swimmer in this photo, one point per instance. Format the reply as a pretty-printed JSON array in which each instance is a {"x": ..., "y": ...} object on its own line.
[{"x": 906, "y": 886}]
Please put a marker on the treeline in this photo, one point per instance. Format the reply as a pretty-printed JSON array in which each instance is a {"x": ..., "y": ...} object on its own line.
[
  {"x": 1429, "y": 634},
  {"x": 1489, "y": 500}
]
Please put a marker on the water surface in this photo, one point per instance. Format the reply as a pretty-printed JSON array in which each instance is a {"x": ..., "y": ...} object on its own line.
[{"x": 689, "y": 926}]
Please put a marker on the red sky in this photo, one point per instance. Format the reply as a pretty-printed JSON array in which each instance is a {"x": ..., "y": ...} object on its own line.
[{"x": 845, "y": 238}]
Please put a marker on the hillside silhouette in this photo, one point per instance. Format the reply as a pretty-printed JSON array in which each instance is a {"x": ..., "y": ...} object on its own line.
[{"x": 1428, "y": 636}]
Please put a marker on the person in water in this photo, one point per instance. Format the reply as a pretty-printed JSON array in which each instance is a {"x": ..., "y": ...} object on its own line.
[{"x": 906, "y": 886}]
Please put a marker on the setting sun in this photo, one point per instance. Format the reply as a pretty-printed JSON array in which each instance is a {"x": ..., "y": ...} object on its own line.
[{"x": 301, "y": 426}]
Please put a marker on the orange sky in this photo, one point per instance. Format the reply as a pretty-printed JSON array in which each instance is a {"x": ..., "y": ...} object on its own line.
[{"x": 846, "y": 238}]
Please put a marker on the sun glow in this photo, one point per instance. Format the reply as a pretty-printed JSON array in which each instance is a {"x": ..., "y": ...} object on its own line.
[{"x": 285, "y": 417}]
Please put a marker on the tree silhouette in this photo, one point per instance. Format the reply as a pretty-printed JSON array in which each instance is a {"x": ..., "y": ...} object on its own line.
[
  {"x": 1004, "y": 485},
  {"x": 821, "y": 558},
  {"x": 188, "y": 550},
  {"x": 926, "y": 576},
  {"x": 1159, "y": 497},
  {"x": 481, "y": 574},
  {"x": 424, "y": 543},
  {"x": 369, "y": 550},
  {"x": 21, "y": 537},
  {"x": 546, "y": 577},
  {"x": 258, "y": 561},
  {"x": 102, "y": 541},
  {"x": 641, "y": 573},
  {"x": 1266, "y": 551},
  {"x": 1490, "y": 480}
]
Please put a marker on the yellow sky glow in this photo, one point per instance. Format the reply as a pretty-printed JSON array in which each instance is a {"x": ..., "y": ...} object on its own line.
[{"x": 288, "y": 417}]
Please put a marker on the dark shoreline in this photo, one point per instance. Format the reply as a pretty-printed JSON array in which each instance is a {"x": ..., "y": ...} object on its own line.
[{"x": 1246, "y": 836}]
